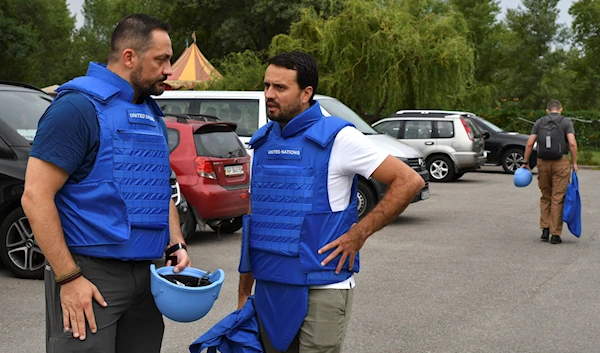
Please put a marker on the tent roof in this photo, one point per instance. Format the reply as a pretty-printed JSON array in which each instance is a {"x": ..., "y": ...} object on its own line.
[{"x": 191, "y": 68}]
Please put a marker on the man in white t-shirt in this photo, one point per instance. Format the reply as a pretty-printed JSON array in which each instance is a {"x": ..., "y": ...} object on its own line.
[{"x": 302, "y": 237}]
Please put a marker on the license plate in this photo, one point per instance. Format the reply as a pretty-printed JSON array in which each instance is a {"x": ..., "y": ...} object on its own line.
[
  {"x": 232, "y": 170},
  {"x": 424, "y": 195}
]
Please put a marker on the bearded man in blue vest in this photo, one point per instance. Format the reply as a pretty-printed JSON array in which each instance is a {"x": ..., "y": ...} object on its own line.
[
  {"x": 98, "y": 198},
  {"x": 301, "y": 238}
]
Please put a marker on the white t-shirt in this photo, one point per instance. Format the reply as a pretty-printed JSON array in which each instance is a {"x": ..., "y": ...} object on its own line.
[{"x": 352, "y": 153}]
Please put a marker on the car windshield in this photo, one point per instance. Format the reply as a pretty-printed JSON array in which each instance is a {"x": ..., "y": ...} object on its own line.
[
  {"x": 489, "y": 125},
  {"x": 336, "y": 108},
  {"x": 23, "y": 110},
  {"x": 218, "y": 141}
]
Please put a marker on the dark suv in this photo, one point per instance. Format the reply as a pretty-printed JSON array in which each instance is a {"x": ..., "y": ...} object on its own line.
[
  {"x": 506, "y": 149},
  {"x": 21, "y": 106}
]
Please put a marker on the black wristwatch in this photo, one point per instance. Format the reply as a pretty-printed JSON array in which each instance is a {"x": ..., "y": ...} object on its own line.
[
  {"x": 171, "y": 250},
  {"x": 525, "y": 163}
]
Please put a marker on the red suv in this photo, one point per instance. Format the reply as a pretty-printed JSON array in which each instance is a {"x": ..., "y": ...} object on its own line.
[{"x": 213, "y": 170}]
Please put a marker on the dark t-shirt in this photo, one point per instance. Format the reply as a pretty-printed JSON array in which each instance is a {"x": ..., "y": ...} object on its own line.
[
  {"x": 566, "y": 125},
  {"x": 68, "y": 135}
]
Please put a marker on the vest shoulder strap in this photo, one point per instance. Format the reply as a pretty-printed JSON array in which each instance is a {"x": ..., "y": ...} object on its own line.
[
  {"x": 324, "y": 131},
  {"x": 98, "y": 89},
  {"x": 259, "y": 137},
  {"x": 155, "y": 108}
]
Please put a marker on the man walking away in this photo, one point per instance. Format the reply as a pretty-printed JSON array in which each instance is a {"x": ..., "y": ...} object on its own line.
[{"x": 555, "y": 137}]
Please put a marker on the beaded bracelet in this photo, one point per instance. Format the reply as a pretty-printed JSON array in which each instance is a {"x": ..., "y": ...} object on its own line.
[{"x": 68, "y": 275}]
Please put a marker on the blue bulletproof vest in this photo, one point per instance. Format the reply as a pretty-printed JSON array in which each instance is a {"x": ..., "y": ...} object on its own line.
[
  {"x": 121, "y": 209},
  {"x": 291, "y": 216},
  {"x": 238, "y": 332}
]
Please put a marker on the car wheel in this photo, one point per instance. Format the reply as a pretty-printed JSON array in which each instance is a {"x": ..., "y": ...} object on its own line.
[
  {"x": 512, "y": 159},
  {"x": 440, "y": 168},
  {"x": 366, "y": 199},
  {"x": 188, "y": 227},
  {"x": 229, "y": 227},
  {"x": 19, "y": 251}
]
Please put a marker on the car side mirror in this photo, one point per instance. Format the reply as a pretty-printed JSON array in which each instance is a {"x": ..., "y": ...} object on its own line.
[{"x": 486, "y": 135}]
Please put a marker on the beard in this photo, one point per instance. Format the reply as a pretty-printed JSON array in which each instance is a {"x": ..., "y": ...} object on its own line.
[
  {"x": 145, "y": 87},
  {"x": 285, "y": 114}
]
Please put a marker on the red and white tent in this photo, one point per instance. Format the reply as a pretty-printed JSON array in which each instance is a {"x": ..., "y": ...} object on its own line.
[{"x": 191, "y": 68}]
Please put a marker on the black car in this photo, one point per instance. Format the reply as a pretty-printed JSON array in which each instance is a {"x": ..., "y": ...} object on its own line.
[
  {"x": 504, "y": 148},
  {"x": 21, "y": 107}
]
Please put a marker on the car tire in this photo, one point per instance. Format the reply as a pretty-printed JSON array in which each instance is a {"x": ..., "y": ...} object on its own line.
[
  {"x": 229, "y": 227},
  {"x": 440, "y": 168},
  {"x": 512, "y": 159},
  {"x": 366, "y": 199},
  {"x": 19, "y": 251},
  {"x": 457, "y": 176},
  {"x": 188, "y": 227}
]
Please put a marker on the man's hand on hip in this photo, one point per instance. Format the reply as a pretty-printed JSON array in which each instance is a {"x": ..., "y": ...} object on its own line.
[
  {"x": 76, "y": 302},
  {"x": 348, "y": 245}
]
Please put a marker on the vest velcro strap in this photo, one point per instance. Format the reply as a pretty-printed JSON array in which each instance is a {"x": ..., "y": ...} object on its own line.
[
  {"x": 297, "y": 221},
  {"x": 268, "y": 234},
  {"x": 285, "y": 179},
  {"x": 289, "y": 249},
  {"x": 304, "y": 207},
  {"x": 258, "y": 191}
]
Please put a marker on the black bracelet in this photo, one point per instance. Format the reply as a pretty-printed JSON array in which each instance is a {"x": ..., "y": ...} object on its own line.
[
  {"x": 70, "y": 279},
  {"x": 174, "y": 248}
]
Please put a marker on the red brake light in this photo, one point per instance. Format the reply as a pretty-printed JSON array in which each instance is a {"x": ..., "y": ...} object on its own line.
[
  {"x": 204, "y": 168},
  {"x": 467, "y": 129}
]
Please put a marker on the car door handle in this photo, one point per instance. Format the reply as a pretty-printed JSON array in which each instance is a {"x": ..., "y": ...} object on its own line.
[{"x": 429, "y": 143}]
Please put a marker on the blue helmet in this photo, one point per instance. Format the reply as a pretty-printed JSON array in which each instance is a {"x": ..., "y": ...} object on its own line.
[
  {"x": 184, "y": 302},
  {"x": 522, "y": 177}
]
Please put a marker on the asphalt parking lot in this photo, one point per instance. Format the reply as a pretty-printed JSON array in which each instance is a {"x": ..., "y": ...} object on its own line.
[{"x": 464, "y": 271}]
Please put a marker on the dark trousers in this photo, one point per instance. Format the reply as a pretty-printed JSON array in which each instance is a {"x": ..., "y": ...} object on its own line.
[{"x": 130, "y": 323}]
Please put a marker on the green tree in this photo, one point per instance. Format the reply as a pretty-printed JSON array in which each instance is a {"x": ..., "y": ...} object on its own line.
[
  {"x": 222, "y": 26},
  {"x": 486, "y": 36},
  {"x": 534, "y": 32},
  {"x": 584, "y": 61},
  {"x": 35, "y": 36},
  {"x": 379, "y": 56}
]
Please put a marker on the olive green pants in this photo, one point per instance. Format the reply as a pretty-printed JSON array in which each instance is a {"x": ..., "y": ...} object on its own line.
[{"x": 325, "y": 323}]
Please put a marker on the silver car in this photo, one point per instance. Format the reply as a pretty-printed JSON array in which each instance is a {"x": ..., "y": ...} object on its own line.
[{"x": 450, "y": 143}]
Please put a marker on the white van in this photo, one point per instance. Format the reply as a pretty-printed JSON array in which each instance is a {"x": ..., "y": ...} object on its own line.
[{"x": 248, "y": 110}]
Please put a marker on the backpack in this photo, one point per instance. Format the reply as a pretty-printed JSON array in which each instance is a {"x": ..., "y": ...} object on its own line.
[{"x": 551, "y": 138}]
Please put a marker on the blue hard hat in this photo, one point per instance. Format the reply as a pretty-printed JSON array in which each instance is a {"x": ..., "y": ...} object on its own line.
[
  {"x": 184, "y": 302},
  {"x": 522, "y": 177}
]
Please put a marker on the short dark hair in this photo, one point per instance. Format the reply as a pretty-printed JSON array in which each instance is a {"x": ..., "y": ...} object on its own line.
[
  {"x": 554, "y": 105},
  {"x": 135, "y": 32},
  {"x": 305, "y": 66}
]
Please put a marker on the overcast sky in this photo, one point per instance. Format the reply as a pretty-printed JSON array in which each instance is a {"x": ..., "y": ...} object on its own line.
[{"x": 75, "y": 7}]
